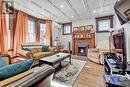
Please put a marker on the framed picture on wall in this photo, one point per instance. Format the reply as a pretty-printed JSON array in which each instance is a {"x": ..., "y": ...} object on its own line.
[
  {"x": 75, "y": 28},
  {"x": 82, "y": 28},
  {"x": 89, "y": 27}
]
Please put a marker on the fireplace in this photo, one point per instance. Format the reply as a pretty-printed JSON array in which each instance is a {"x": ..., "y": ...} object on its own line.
[{"x": 82, "y": 49}]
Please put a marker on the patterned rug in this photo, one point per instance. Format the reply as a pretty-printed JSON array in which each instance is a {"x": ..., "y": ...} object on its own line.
[
  {"x": 83, "y": 58},
  {"x": 67, "y": 75}
]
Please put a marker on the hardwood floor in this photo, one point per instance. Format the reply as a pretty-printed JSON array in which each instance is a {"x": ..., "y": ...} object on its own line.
[{"x": 90, "y": 76}]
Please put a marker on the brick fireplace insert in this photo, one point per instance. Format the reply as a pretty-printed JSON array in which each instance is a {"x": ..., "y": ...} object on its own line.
[{"x": 82, "y": 49}]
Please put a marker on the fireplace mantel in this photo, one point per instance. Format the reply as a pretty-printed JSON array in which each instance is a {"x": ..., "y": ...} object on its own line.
[{"x": 82, "y": 37}]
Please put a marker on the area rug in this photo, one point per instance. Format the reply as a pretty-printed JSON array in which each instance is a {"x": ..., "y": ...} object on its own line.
[
  {"x": 84, "y": 58},
  {"x": 68, "y": 75}
]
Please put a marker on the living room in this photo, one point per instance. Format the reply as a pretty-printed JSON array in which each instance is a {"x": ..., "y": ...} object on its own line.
[{"x": 67, "y": 43}]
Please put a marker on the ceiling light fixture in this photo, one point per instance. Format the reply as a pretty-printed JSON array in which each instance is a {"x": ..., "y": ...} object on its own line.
[
  {"x": 43, "y": 13},
  {"x": 118, "y": 0},
  {"x": 61, "y": 6},
  {"x": 72, "y": 16},
  {"x": 94, "y": 11}
]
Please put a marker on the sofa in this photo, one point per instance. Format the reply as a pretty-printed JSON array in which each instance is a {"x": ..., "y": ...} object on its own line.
[
  {"x": 36, "y": 51},
  {"x": 31, "y": 77}
]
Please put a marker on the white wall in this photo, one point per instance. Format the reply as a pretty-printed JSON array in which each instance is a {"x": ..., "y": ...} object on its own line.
[
  {"x": 127, "y": 35},
  {"x": 98, "y": 36},
  {"x": 56, "y": 30},
  {"x": 66, "y": 39}
]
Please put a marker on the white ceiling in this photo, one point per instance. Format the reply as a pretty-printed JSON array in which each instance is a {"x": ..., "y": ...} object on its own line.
[{"x": 80, "y": 9}]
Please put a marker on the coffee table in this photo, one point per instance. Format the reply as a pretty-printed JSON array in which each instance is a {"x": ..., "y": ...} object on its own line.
[{"x": 55, "y": 59}]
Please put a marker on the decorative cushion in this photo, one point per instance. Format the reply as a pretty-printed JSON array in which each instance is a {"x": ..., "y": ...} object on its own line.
[
  {"x": 42, "y": 54},
  {"x": 5, "y": 60},
  {"x": 30, "y": 48},
  {"x": 23, "y": 52},
  {"x": 1, "y": 62},
  {"x": 14, "y": 69},
  {"x": 39, "y": 49},
  {"x": 27, "y": 48},
  {"x": 15, "y": 78},
  {"x": 45, "y": 48},
  {"x": 34, "y": 50},
  {"x": 39, "y": 55}
]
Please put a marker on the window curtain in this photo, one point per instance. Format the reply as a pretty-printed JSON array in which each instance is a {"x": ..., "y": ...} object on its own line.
[
  {"x": 49, "y": 32},
  {"x": 3, "y": 30},
  {"x": 21, "y": 31}
]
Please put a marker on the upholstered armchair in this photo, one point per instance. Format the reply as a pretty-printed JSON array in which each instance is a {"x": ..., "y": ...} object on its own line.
[{"x": 97, "y": 54}]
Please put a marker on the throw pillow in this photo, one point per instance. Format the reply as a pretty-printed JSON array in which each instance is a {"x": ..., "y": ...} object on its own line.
[
  {"x": 1, "y": 62},
  {"x": 34, "y": 50},
  {"x": 27, "y": 48},
  {"x": 45, "y": 48},
  {"x": 5, "y": 60},
  {"x": 39, "y": 49},
  {"x": 14, "y": 69}
]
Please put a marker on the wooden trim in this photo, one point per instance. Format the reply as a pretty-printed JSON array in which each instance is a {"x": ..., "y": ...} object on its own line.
[
  {"x": 70, "y": 23},
  {"x": 110, "y": 17}
]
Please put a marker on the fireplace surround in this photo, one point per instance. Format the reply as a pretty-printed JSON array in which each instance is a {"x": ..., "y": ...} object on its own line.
[{"x": 85, "y": 37}]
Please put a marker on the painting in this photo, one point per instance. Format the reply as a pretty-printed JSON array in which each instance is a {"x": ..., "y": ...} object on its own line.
[
  {"x": 82, "y": 28},
  {"x": 89, "y": 27},
  {"x": 75, "y": 28}
]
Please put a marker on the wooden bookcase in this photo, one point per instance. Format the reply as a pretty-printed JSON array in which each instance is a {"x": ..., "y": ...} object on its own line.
[{"x": 82, "y": 37}]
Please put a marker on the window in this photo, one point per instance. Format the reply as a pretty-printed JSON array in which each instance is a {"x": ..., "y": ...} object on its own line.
[
  {"x": 104, "y": 23},
  {"x": 31, "y": 31},
  {"x": 42, "y": 32},
  {"x": 67, "y": 28}
]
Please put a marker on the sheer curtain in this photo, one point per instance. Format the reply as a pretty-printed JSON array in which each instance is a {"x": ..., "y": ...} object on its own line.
[
  {"x": 48, "y": 32},
  {"x": 3, "y": 30},
  {"x": 21, "y": 31}
]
